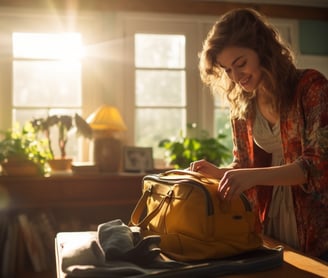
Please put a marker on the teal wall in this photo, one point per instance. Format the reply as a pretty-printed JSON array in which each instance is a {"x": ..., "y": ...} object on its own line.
[{"x": 313, "y": 37}]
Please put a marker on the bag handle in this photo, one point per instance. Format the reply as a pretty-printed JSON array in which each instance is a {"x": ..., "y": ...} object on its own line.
[
  {"x": 141, "y": 206},
  {"x": 196, "y": 175}
]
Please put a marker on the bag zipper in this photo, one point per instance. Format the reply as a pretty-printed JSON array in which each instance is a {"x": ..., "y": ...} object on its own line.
[{"x": 209, "y": 203}]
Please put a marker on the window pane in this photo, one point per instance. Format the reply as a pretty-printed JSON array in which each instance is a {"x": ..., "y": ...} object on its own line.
[
  {"x": 47, "y": 83},
  {"x": 159, "y": 51},
  {"x": 153, "y": 125},
  {"x": 160, "y": 88},
  {"x": 47, "y": 45},
  {"x": 222, "y": 119},
  {"x": 222, "y": 125},
  {"x": 220, "y": 100},
  {"x": 160, "y": 82}
]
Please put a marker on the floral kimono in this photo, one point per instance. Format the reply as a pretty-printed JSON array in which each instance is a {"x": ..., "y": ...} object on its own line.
[{"x": 304, "y": 135}]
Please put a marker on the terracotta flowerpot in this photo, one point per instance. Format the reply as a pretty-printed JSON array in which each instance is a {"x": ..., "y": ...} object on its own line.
[
  {"x": 60, "y": 164},
  {"x": 20, "y": 168}
]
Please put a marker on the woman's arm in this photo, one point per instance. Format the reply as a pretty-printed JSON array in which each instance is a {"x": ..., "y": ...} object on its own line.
[{"x": 236, "y": 181}]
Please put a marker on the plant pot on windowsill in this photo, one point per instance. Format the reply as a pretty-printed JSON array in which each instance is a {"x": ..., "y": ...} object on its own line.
[
  {"x": 60, "y": 164},
  {"x": 20, "y": 168},
  {"x": 64, "y": 124},
  {"x": 22, "y": 153}
]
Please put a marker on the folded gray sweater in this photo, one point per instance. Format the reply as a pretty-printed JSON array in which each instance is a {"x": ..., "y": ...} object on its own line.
[{"x": 114, "y": 250}]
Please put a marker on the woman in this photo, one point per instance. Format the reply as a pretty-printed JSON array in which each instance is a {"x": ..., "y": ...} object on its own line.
[{"x": 279, "y": 118}]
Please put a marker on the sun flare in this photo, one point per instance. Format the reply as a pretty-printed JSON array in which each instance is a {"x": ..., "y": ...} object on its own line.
[{"x": 63, "y": 46}]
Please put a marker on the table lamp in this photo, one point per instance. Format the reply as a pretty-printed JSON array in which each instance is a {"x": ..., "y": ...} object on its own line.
[{"x": 107, "y": 123}]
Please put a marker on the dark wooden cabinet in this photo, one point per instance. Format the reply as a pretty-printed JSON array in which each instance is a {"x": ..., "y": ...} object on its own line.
[{"x": 75, "y": 202}]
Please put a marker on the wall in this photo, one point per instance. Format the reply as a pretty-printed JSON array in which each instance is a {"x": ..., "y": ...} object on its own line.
[{"x": 313, "y": 37}]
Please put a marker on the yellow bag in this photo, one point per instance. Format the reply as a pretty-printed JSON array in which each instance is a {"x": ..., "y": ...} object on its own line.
[{"x": 182, "y": 207}]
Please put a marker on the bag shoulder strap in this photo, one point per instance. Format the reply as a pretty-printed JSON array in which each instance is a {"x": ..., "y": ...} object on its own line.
[{"x": 141, "y": 207}]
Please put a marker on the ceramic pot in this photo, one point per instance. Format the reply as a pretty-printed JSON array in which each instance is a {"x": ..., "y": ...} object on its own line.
[
  {"x": 60, "y": 164},
  {"x": 20, "y": 168}
]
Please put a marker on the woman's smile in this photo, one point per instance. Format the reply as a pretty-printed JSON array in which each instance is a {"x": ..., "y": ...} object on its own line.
[{"x": 244, "y": 82}]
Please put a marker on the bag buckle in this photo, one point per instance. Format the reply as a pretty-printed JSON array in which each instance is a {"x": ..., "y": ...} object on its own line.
[
  {"x": 169, "y": 194},
  {"x": 149, "y": 189}
]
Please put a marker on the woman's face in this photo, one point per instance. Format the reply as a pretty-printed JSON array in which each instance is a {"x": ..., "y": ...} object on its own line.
[{"x": 242, "y": 65}]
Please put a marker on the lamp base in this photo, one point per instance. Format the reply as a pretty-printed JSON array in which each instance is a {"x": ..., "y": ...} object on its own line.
[{"x": 107, "y": 154}]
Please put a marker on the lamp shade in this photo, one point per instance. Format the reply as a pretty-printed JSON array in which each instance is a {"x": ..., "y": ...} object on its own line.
[{"x": 106, "y": 118}]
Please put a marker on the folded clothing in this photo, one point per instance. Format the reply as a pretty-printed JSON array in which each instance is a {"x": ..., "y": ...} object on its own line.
[
  {"x": 114, "y": 249},
  {"x": 83, "y": 249},
  {"x": 121, "y": 242}
]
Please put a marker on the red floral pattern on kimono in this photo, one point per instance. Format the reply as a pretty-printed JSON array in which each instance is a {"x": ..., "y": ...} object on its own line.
[{"x": 304, "y": 134}]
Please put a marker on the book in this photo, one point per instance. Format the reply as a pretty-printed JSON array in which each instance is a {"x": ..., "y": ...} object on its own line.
[
  {"x": 3, "y": 237},
  {"x": 12, "y": 247},
  {"x": 33, "y": 243},
  {"x": 45, "y": 223},
  {"x": 6, "y": 266},
  {"x": 22, "y": 257}
]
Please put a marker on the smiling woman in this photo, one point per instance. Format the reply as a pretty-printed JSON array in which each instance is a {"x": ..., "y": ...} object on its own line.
[{"x": 275, "y": 144}]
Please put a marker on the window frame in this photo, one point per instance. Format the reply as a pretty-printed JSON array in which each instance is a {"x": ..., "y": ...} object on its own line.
[
  {"x": 29, "y": 21},
  {"x": 198, "y": 98}
]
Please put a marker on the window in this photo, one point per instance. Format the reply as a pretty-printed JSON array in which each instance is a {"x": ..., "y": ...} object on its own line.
[
  {"x": 165, "y": 80},
  {"x": 222, "y": 120},
  {"x": 47, "y": 78},
  {"x": 160, "y": 87}
]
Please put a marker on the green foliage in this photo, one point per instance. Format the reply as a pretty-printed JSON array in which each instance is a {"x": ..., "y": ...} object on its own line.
[
  {"x": 23, "y": 144},
  {"x": 64, "y": 124},
  {"x": 183, "y": 150}
]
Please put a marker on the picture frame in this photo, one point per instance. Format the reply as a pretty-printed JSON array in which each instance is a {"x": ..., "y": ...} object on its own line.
[{"x": 138, "y": 159}]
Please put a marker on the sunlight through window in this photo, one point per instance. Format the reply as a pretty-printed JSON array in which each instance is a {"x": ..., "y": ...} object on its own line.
[
  {"x": 47, "y": 79},
  {"x": 63, "y": 46}
]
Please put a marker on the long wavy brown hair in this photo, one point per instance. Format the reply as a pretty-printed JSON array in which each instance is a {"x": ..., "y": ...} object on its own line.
[{"x": 248, "y": 29}]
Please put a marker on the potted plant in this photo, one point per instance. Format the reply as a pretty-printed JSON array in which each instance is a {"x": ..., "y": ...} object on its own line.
[
  {"x": 22, "y": 152},
  {"x": 183, "y": 150},
  {"x": 64, "y": 124}
]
